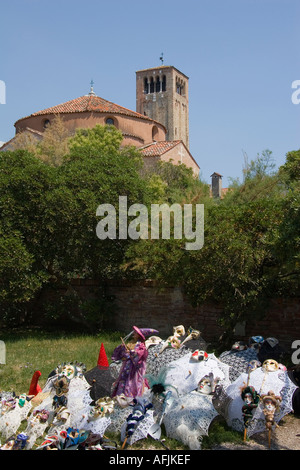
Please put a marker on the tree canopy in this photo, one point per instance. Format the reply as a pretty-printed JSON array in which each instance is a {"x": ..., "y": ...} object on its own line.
[{"x": 50, "y": 192}]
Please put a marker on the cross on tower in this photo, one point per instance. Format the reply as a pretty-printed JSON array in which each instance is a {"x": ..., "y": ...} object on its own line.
[{"x": 92, "y": 88}]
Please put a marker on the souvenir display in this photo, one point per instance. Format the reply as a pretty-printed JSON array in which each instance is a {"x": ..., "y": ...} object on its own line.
[
  {"x": 208, "y": 384},
  {"x": 189, "y": 417},
  {"x": 35, "y": 388},
  {"x": 98, "y": 419},
  {"x": 270, "y": 349},
  {"x": 147, "y": 388},
  {"x": 15, "y": 443},
  {"x": 13, "y": 411},
  {"x": 155, "y": 429},
  {"x": 199, "y": 355},
  {"x": 158, "y": 384},
  {"x": 152, "y": 341},
  {"x": 100, "y": 378},
  {"x": 172, "y": 341},
  {"x": 238, "y": 359},
  {"x": 36, "y": 426},
  {"x": 294, "y": 375},
  {"x": 267, "y": 377},
  {"x": 271, "y": 405},
  {"x": 192, "y": 334},
  {"x": 173, "y": 348},
  {"x": 138, "y": 422},
  {"x": 185, "y": 373},
  {"x": 133, "y": 355},
  {"x": 251, "y": 399},
  {"x": 157, "y": 360}
]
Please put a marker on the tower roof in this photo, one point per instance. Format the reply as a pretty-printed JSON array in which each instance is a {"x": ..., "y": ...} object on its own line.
[
  {"x": 162, "y": 67},
  {"x": 88, "y": 103}
]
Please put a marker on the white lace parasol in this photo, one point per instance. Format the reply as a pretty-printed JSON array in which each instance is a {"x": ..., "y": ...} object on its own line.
[
  {"x": 141, "y": 430},
  {"x": 263, "y": 382},
  {"x": 189, "y": 417},
  {"x": 185, "y": 373}
]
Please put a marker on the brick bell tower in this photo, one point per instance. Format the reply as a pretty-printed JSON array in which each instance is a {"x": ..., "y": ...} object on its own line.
[{"x": 162, "y": 95}]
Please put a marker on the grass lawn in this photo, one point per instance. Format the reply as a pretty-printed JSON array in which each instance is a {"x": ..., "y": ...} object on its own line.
[{"x": 31, "y": 350}]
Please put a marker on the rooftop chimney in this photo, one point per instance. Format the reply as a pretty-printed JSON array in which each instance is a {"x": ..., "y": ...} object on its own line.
[{"x": 216, "y": 185}]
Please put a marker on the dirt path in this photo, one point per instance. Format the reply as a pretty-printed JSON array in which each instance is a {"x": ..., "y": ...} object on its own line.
[{"x": 285, "y": 437}]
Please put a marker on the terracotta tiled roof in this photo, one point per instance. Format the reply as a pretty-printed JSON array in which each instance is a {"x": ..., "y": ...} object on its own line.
[
  {"x": 158, "y": 148},
  {"x": 89, "y": 103}
]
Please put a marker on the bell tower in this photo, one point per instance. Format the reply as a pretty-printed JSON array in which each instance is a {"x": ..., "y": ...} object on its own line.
[{"x": 162, "y": 95}]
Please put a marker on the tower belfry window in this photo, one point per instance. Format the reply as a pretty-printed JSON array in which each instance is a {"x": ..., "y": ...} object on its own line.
[
  {"x": 157, "y": 85},
  {"x": 154, "y": 85},
  {"x": 151, "y": 85},
  {"x": 146, "y": 85},
  {"x": 180, "y": 89}
]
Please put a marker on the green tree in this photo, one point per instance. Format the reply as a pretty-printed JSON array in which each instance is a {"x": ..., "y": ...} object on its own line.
[
  {"x": 51, "y": 212},
  {"x": 250, "y": 252},
  {"x": 54, "y": 146},
  {"x": 95, "y": 142},
  {"x": 290, "y": 170}
]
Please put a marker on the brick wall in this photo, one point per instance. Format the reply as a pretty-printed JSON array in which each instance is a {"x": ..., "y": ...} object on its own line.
[{"x": 145, "y": 304}]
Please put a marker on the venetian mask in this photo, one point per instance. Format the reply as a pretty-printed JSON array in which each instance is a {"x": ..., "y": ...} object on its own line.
[
  {"x": 68, "y": 371},
  {"x": 175, "y": 342},
  {"x": 239, "y": 346},
  {"x": 8, "y": 405},
  {"x": 152, "y": 341},
  {"x": 205, "y": 386},
  {"x": 61, "y": 385},
  {"x": 270, "y": 365},
  {"x": 63, "y": 414},
  {"x": 8, "y": 445},
  {"x": 199, "y": 355},
  {"x": 269, "y": 405},
  {"x": 40, "y": 416},
  {"x": 71, "y": 369},
  {"x": 248, "y": 398},
  {"x": 179, "y": 330}
]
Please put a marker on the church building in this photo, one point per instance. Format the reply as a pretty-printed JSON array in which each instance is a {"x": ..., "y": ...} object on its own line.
[{"x": 159, "y": 127}]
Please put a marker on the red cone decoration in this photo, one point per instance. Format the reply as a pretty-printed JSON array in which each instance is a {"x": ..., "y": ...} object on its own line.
[
  {"x": 34, "y": 388},
  {"x": 102, "y": 359}
]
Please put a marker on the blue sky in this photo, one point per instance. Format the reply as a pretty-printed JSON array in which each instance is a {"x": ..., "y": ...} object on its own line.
[{"x": 241, "y": 57}]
